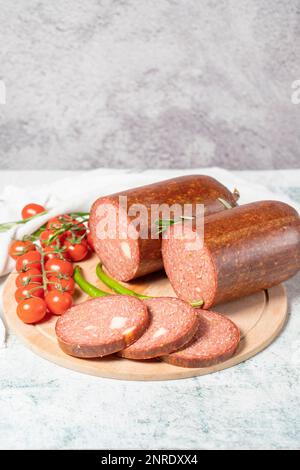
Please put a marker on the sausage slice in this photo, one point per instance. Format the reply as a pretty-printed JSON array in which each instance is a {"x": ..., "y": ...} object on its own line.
[
  {"x": 128, "y": 253},
  {"x": 216, "y": 340},
  {"x": 172, "y": 324},
  {"x": 102, "y": 326}
]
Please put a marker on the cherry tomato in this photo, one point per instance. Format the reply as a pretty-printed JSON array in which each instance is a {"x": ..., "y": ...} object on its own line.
[
  {"x": 31, "y": 210},
  {"x": 77, "y": 230},
  {"x": 32, "y": 310},
  {"x": 59, "y": 266},
  {"x": 58, "y": 221},
  {"x": 58, "y": 302},
  {"x": 31, "y": 260},
  {"x": 25, "y": 292},
  {"x": 54, "y": 223},
  {"x": 76, "y": 251},
  {"x": 90, "y": 241},
  {"x": 46, "y": 236},
  {"x": 19, "y": 248},
  {"x": 52, "y": 252},
  {"x": 31, "y": 276},
  {"x": 61, "y": 284}
]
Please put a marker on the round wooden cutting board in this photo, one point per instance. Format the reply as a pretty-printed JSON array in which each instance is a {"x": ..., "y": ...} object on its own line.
[{"x": 260, "y": 318}]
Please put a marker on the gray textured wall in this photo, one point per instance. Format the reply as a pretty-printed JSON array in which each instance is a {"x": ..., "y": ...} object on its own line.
[{"x": 142, "y": 83}]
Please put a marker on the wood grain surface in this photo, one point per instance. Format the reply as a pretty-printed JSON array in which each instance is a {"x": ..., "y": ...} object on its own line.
[{"x": 260, "y": 318}]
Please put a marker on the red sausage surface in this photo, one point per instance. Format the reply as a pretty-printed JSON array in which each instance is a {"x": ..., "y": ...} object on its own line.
[
  {"x": 216, "y": 340},
  {"x": 246, "y": 249},
  {"x": 101, "y": 326},
  {"x": 172, "y": 324},
  {"x": 126, "y": 258}
]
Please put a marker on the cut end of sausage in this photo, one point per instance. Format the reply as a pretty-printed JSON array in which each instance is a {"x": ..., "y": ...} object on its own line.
[
  {"x": 115, "y": 239},
  {"x": 172, "y": 324},
  {"x": 190, "y": 268},
  {"x": 216, "y": 340},
  {"x": 101, "y": 326}
]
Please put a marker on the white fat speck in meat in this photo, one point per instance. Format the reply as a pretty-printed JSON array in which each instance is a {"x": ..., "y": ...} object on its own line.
[
  {"x": 89, "y": 328},
  {"x": 126, "y": 249},
  {"x": 118, "y": 322},
  {"x": 161, "y": 331}
]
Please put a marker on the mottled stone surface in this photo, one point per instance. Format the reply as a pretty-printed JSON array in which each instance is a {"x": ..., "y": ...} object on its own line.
[
  {"x": 146, "y": 84},
  {"x": 253, "y": 405}
]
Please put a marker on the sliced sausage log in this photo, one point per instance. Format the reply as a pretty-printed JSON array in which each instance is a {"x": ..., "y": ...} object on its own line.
[
  {"x": 172, "y": 324},
  {"x": 246, "y": 249},
  {"x": 216, "y": 340},
  {"x": 129, "y": 256},
  {"x": 101, "y": 326}
]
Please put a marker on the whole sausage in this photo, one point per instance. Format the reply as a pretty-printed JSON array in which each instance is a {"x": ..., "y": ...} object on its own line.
[
  {"x": 247, "y": 249},
  {"x": 127, "y": 257}
]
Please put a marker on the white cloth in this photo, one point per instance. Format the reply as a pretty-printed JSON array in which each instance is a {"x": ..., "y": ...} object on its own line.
[{"x": 77, "y": 194}]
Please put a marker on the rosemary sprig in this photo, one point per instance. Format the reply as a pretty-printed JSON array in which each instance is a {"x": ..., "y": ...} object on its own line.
[
  {"x": 8, "y": 225},
  {"x": 164, "y": 224},
  {"x": 225, "y": 203},
  {"x": 82, "y": 215},
  {"x": 5, "y": 226}
]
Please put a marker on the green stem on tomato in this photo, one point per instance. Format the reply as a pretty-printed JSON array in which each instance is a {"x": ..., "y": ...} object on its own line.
[
  {"x": 87, "y": 287},
  {"x": 44, "y": 274},
  {"x": 34, "y": 288},
  {"x": 116, "y": 286},
  {"x": 68, "y": 226}
]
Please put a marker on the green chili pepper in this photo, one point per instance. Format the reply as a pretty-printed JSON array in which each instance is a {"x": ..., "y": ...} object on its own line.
[
  {"x": 115, "y": 286},
  {"x": 86, "y": 286}
]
